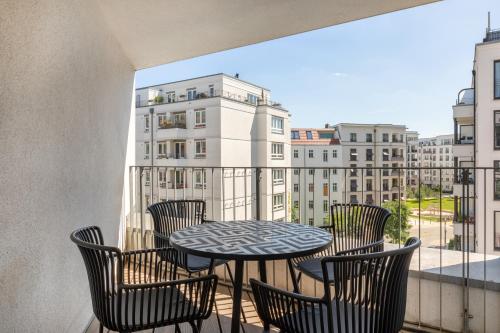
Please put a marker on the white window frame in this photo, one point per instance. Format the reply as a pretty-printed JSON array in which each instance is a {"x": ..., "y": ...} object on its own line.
[
  {"x": 162, "y": 149},
  {"x": 278, "y": 176},
  {"x": 170, "y": 97},
  {"x": 277, "y": 125},
  {"x": 200, "y": 118},
  {"x": 162, "y": 178},
  {"x": 334, "y": 153},
  {"x": 252, "y": 99},
  {"x": 147, "y": 177},
  {"x": 295, "y": 153},
  {"x": 278, "y": 201},
  {"x": 200, "y": 148},
  {"x": 311, "y": 153},
  {"x": 296, "y": 187},
  {"x": 147, "y": 125},
  {"x": 147, "y": 150},
  {"x": 277, "y": 150},
  {"x": 200, "y": 179},
  {"x": 191, "y": 94},
  {"x": 325, "y": 155},
  {"x": 161, "y": 118},
  {"x": 334, "y": 187}
]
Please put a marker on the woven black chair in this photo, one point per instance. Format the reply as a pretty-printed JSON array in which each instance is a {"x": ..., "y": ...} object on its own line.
[
  {"x": 133, "y": 291},
  {"x": 365, "y": 294},
  {"x": 353, "y": 226},
  {"x": 170, "y": 216}
]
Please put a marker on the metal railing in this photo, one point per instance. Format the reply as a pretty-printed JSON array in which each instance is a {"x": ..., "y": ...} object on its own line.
[
  {"x": 168, "y": 99},
  {"x": 453, "y": 276},
  {"x": 492, "y": 35}
]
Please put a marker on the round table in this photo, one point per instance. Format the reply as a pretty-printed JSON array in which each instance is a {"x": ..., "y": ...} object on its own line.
[{"x": 250, "y": 240}]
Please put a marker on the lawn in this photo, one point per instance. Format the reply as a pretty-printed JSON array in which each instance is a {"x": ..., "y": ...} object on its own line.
[{"x": 425, "y": 204}]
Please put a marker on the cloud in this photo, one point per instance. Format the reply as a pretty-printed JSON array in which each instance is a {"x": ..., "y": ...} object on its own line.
[{"x": 339, "y": 74}]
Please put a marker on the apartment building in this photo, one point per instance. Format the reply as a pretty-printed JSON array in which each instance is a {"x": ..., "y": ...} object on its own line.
[
  {"x": 314, "y": 190},
  {"x": 476, "y": 116},
  {"x": 412, "y": 159},
  {"x": 436, "y": 153},
  {"x": 203, "y": 137}
]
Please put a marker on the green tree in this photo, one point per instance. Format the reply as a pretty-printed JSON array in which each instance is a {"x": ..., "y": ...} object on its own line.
[
  {"x": 295, "y": 214},
  {"x": 397, "y": 227}
]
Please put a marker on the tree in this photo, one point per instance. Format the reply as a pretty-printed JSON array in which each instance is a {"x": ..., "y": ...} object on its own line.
[
  {"x": 397, "y": 226},
  {"x": 294, "y": 214}
]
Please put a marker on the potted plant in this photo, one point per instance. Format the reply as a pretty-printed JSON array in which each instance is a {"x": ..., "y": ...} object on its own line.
[{"x": 158, "y": 99}]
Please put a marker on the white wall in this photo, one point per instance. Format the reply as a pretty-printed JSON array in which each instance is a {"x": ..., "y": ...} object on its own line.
[{"x": 65, "y": 104}]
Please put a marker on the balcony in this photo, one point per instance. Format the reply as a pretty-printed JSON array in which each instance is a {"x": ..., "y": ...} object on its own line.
[
  {"x": 464, "y": 149},
  {"x": 398, "y": 158},
  {"x": 492, "y": 35}
]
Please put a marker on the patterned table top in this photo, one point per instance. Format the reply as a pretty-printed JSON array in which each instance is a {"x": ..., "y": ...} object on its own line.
[{"x": 251, "y": 240}]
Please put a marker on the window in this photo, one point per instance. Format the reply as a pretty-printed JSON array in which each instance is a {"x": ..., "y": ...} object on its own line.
[
  {"x": 296, "y": 171},
  {"x": 334, "y": 171},
  {"x": 311, "y": 221},
  {"x": 385, "y": 137},
  {"x": 334, "y": 187},
  {"x": 170, "y": 96},
  {"x": 296, "y": 204},
  {"x": 211, "y": 90},
  {"x": 497, "y": 129},
  {"x": 354, "y": 170},
  {"x": 147, "y": 177},
  {"x": 251, "y": 98},
  {"x": 353, "y": 137},
  {"x": 311, "y": 153},
  {"x": 309, "y": 135},
  {"x": 496, "y": 83},
  {"x": 162, "y": 149},
  {"x": 496, "y": 171},
  {"x": 369, "y": 199},
  {"x": 200, "y": 148},
  {"x": 369, "y": 171},
  {"x": 385, "y": 172},
  {"x": 334, "y": 153},
  {"x": 385, "y": 184},
  {"x": 146, "y": 123},
  {"x": 200, "y": 118},
  {"x": 369, "y": 137},
  {"x": 295, "y": 187},
  {"x": 369, "y": 185},
  {"x": 295, "y": 135},
  {"x": 191, "y": 94},
  {"x": 146, "y": 150},
  {"x": 369, "y": 154},
  {"x": 277, "y": 151},
  {"x": 325, "y": 189},
  {"x": 277, "y": 125},
  {"x": 200, "y": 179},
  {"x": 325, "y": 155},
  {"x": 311, "y": 172},
  {"x": 385, "y": 154},
  {"x": 278, "y": 176},
  {"x": 325, "y": 174},
  {"x": 295, "y": 153},
  {"x": 311, "y": 187},
  {"x": 163, "y": 121},
  {"x": 325, "y": 135},
  {"x": 311, "y": 204},
  {"x": 278, "y": 201},
  {"x": 354, "y": 199},
  {"x": 354, "y": 185},
  {"x": 325, "y": 206},
  {"x": 162, "y": 178},
  {"x": 353, "y": 156},
  {"x": 497, "y": 230},
  {"x": 137, "y": 101}
]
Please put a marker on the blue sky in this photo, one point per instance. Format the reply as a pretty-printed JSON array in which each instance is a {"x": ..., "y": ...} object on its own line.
[{"x": 402, "y": 68}]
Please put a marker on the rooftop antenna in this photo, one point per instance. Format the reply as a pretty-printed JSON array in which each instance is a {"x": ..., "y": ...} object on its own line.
[{"x": 489, "y": 26}]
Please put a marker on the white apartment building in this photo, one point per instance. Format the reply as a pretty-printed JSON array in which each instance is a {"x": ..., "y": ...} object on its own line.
[
  {"x": 412, "y": 159},
  {"x": 205, "y": 136},
  {"x": 435, "y": 153},
  {"x": 378, "y": 146},
  {"x": 316, "y": 180},
  {"x": 476, "y": 116}
]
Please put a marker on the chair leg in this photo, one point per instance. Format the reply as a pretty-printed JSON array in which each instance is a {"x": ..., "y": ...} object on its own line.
[
  {"x": 194, "y": 327},
  {"x": 101, "y": 328},
  {"x": 177, "y": 328},
  {"x": 232, "y": 282},
  {"x": 295, "y": 279}
]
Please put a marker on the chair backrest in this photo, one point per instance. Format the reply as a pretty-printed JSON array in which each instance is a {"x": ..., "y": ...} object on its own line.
[
  {"x": 170, "y": 216},
  {"x": 356, "y": 225},
  {"x": 104, "y": 270},
  {"x": 368, "y": 291}
]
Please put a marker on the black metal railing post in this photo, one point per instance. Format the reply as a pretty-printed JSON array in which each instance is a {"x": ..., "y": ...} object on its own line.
[{"x": 257, "y": 193}]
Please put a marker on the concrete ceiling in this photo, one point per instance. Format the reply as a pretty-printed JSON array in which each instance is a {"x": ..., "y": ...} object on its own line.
[{"x": 155, "y": 32}]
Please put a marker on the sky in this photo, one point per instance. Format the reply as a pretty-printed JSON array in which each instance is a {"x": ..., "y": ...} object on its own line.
[{"x": 402, "y": 68}]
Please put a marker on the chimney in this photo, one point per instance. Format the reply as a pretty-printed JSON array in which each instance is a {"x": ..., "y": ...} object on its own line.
[{"x": 237, "y": 75}]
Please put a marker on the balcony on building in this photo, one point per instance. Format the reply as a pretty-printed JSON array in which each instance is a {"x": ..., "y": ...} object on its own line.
[{"x": 463, "y": 110}]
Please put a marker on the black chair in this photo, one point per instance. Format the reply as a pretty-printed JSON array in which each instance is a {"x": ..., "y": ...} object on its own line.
[
  {"x": 133, "y": 291},
  {"x": 352, "y": 226},
  {"x": 365, "y": 294},
  {"x": 170, "y": 216}
]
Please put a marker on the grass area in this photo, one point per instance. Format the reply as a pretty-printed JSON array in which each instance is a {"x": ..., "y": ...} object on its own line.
[
  {"x": 432, "y": 203},
  {"x": 428, "y": 218}
]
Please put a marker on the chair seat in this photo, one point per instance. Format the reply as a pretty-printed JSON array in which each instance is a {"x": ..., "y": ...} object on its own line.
[
  {"x": 197, "y": 264},
  {"x": 315, "y": 320},
  {"x": 312, "y": 268},
  {"x": 153, "y": 306}
]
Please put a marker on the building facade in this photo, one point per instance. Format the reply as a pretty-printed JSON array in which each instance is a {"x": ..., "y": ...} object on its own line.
[
  {"x": 314, "y": 190},
  {"x": 476, "y": 116},
  {"x": 204, "y": 138},
  {"x": 412, "y": 160},
  {"x": 436, "y": 153}
]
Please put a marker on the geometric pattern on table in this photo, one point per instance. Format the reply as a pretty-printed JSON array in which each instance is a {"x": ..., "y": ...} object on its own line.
[{"x": 250, "y": 239}]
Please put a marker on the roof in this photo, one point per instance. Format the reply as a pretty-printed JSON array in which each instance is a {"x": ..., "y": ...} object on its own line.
[{"x": 316, "y": 140}]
